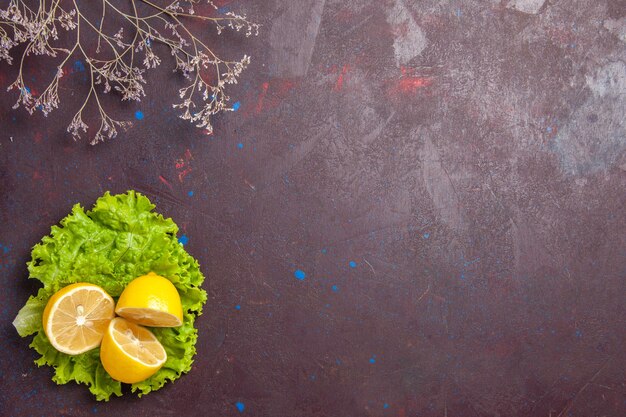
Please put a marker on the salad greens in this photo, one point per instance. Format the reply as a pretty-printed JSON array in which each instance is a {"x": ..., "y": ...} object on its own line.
[{"x": 120, "y": 239}]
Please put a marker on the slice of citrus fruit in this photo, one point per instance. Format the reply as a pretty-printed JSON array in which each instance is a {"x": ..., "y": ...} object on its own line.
[
  {"x": 151, "y": 300},
  {"x": 76, "y": 317},
  {"x": 130, "y": 353}
]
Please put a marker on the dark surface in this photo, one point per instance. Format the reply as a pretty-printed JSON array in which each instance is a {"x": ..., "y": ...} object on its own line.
[{"x": 474, "y": 171}]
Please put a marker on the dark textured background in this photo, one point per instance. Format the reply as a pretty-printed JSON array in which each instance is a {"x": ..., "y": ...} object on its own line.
[{"x": 467, "y": 156}]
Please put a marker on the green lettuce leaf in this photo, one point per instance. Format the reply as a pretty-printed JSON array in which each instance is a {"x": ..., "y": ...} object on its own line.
[
  {"x": 120, "y": 239},
  {"x": 28, "y": 320}
]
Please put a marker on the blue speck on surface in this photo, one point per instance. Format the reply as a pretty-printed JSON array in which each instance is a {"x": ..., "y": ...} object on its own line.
[
  {"x": 139, "y": 115},
  {"x": 313, "y": 377},
  {"x": 324, "y": 250},
  {"x": 190, "y": 193},
  {"x": 579, "y": 334},
  {"x": 352, "y": 264},
  {"x": 372, "y": 360},
  {"x": 385, "y": 405},
  {"x": 299, "y": 274},
  {"x": 236, "y": 106},
  {"x": 426, "y": 235},
  {"x": 240, "y": 145},
  {"x": 549, "y": 129},
  {"x": 459, "y": 13},
  {"x": 223, "y": 10},
  {"x": 335, "y": 288},
  {"x": 237, "y": 307},
  {"x": 240, "y": 406},
  {"x": 338, "y": 361},
  {"x": 79, "y": 66},
  {"x": 183, "y": 240}
]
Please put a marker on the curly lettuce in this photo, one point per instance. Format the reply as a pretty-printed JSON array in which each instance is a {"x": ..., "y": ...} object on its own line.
[{"x": 120, "y": 239}]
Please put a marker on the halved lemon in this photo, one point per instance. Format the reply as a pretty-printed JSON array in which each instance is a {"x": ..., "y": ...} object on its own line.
[
  {"x": 130, "y": 353},
  {"x": 151, "y": 300},
  {"x": 77, "y": 316}
]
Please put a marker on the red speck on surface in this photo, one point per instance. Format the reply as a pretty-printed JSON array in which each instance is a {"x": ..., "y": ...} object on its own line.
[
  {"x": 166, "y": 182},
  {"x": 183, "y": 165},
  {"x": 182, "y": 174},
  {"x": 259, "y": 104},
  {"x": 339, "y": 84},
  {"x": 38, "y": 137},
  {"x": 272, "y": 93},
  {"x": 410, "y": 82},
  {"x": 283, "y": 86}
]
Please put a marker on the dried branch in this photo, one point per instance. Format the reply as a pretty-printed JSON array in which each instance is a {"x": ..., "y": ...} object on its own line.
[{"x": 119, "y": 62}]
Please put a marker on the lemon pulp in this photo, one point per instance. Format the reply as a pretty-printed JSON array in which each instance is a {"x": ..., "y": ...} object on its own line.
[
  {"x": 130, "y": 353},
  {"x": 76, "y": 317}
]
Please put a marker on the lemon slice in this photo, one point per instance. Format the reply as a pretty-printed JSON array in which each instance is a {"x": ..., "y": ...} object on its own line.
[
  {"x": 76, "y": 317},
  {"x": 151, "y": 300},
  {"x": 130, "y": 353}
]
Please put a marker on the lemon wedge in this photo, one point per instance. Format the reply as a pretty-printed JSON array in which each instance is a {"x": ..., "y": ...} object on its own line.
[
  {"x": 130, "y": 353},
  {"x": 76, "y": 317},
  {"x": 151, "y": 300}
]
